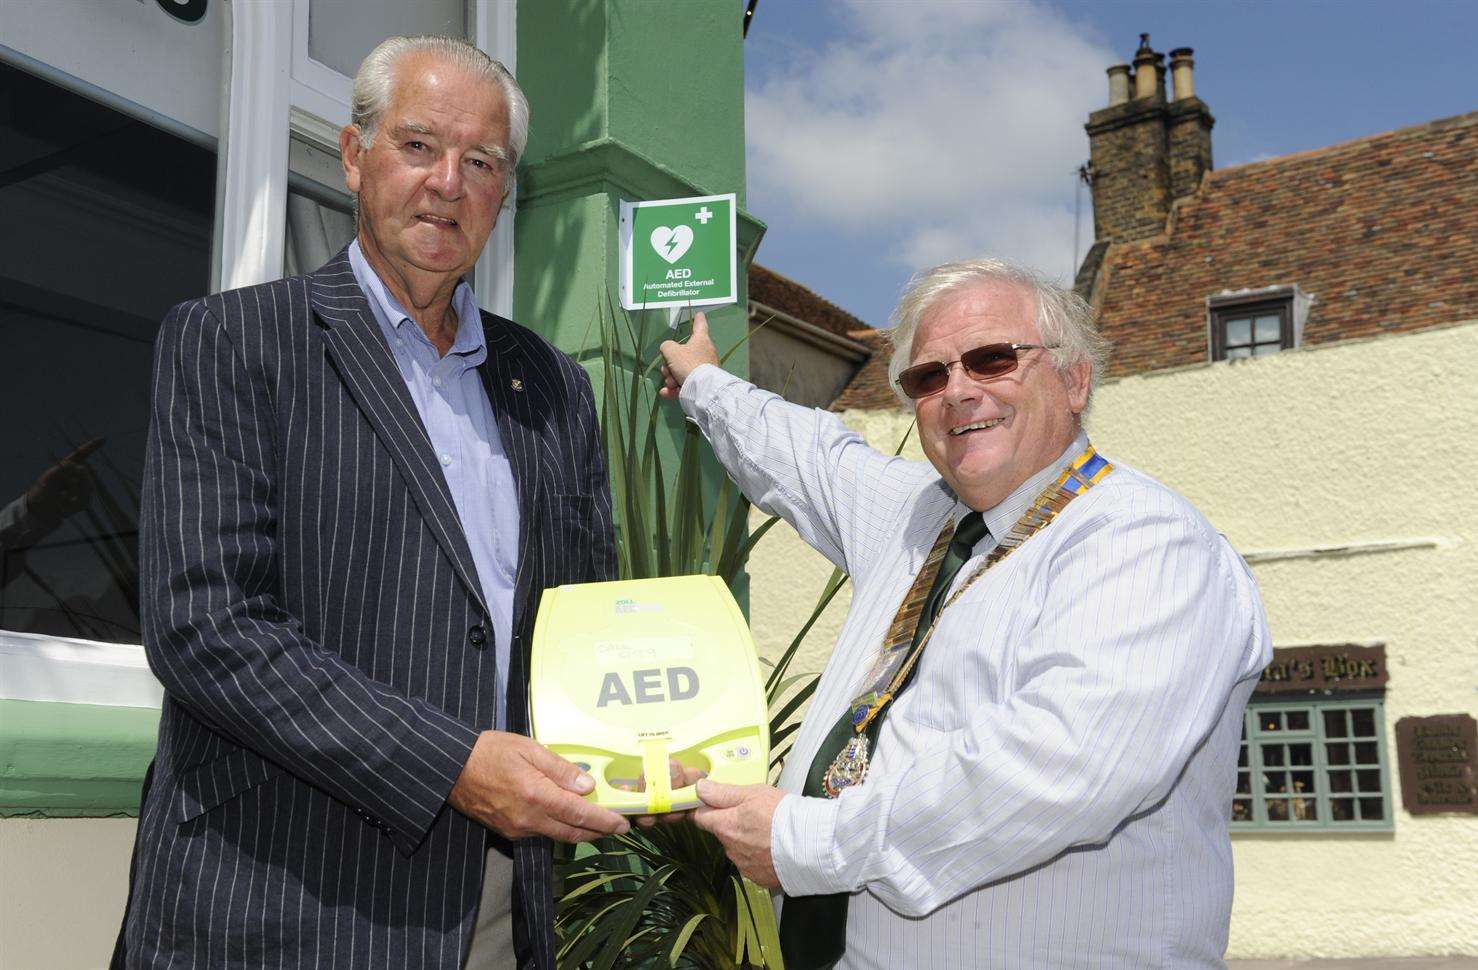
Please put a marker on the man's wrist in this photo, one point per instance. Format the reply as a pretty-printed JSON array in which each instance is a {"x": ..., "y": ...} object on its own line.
[
  {"x": 701, "y": 384},
  {"x": 803, "y": 846}
]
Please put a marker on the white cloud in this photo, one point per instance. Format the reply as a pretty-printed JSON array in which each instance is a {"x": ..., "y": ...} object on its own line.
[{"x": 945, "y": 128}]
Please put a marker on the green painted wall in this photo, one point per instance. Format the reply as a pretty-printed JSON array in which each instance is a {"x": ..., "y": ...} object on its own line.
[
  {"x": 73, "y": 759},
  {"x": 633, "y": 99}
]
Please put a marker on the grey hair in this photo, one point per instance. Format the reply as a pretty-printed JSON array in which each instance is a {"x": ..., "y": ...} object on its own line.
[
  {"x": 1064, "y": 319},
  {"x": 375, "y": 82}
]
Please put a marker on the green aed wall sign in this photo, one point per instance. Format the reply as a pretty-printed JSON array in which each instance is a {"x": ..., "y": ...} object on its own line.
[{"x": 679, "y": 252}]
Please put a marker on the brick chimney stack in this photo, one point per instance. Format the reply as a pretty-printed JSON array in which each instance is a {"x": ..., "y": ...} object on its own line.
[
  {"x": 1189, "y": 126},
  {"x": 1146, "y": 150}
]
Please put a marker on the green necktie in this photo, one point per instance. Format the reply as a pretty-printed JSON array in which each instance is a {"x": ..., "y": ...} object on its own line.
[{"x": 813, "y": 929}]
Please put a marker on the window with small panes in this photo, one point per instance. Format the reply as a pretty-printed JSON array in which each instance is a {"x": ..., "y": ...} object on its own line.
[{"x": 1312, "y": 763}]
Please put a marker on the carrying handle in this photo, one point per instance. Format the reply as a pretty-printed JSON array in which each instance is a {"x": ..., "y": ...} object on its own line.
[
  {"x": 659, "y": 781},
  {"x": 659, "y": 797}
]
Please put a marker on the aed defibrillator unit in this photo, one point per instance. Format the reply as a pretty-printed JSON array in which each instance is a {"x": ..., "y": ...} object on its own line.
[{"x": 628, "y": 674}]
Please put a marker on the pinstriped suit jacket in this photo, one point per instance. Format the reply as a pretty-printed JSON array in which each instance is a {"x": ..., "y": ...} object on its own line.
[{"x": 312, "y": 609}]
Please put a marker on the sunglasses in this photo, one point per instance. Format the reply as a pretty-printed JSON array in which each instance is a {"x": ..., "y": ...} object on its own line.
[{"x": 983, "y": 363}]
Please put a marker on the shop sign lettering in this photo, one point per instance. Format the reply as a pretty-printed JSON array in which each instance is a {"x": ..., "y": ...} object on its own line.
[{"x": 1337, "y": 667}]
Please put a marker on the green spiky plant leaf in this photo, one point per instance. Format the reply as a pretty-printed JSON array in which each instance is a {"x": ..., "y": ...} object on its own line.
[{"x": 667, "y": 896}]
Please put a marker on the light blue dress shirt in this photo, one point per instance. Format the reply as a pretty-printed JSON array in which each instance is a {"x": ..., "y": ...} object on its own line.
[{"x": 454, "y": 407}]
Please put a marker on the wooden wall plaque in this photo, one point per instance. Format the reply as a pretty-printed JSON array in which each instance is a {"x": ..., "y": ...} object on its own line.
[
  {"x": 1437, "y": 757},
  {"x": 1336, "y": 667}
]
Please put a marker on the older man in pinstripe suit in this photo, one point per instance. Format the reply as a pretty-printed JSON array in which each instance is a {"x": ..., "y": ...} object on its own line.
[{"x": 357, "y": 486}]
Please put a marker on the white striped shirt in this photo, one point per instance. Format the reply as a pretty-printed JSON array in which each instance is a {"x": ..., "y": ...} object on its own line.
[{"x": 1053, "y": 789}]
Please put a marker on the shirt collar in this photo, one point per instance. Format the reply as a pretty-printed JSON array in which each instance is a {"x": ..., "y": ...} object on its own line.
[
  {"x": 1001, "y": 517},
  {"x": 470, "y": 341}
]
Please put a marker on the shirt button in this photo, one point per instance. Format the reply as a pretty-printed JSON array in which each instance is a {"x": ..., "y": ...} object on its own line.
[
  {"x": 436, "y": 382},
  {"x": 446, "y": 459},
  {"x": 477, "y": 635}
]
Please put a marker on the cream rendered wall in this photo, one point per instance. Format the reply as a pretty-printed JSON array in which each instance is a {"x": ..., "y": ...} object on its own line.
[
  {"x": 1365, "y": 442},
  {"x": 63, "y": 886}
]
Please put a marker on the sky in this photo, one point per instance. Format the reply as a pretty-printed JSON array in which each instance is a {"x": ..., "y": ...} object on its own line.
[{"x": 886, "y": 136}]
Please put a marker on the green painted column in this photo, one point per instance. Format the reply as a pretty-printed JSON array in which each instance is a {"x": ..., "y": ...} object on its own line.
[{"x": 631, "y": 100}]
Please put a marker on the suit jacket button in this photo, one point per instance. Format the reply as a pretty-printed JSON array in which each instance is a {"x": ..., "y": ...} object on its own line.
[{"x": 477, "y": 636}]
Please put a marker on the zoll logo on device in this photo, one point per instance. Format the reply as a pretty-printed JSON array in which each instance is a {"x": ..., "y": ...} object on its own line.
[{"x": 628, "y": 674}]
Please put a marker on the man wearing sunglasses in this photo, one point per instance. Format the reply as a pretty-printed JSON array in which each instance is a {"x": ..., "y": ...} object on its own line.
[{"x": 1022, "y": 750}]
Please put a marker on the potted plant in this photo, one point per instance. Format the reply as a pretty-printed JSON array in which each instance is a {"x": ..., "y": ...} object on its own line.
[{"x": 667, "y": 896}]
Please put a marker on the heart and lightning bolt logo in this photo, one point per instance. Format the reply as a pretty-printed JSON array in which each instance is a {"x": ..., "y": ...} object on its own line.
[{"x": 672, "y": 243}]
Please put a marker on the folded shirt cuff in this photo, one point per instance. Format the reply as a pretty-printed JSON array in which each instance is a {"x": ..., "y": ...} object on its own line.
[{"x": 802, "y": 841}]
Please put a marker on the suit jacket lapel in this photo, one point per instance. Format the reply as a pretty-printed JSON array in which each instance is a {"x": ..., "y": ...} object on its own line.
[
  {"x": 522, "y": 426},
  {"x": 364, "y": 362}
]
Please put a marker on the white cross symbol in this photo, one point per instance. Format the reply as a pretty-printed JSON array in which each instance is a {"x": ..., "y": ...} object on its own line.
[{"x": 703, "y": 215}]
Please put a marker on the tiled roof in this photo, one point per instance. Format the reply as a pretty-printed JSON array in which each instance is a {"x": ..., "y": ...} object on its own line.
[
  {"x": 869, "y": 388},
  {"x": 1382, "y": 232},
  {"x": 786, "y": 295}
]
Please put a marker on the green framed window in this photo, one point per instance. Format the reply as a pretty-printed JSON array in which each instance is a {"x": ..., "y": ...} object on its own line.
[{"x": 1313, "y": 763}]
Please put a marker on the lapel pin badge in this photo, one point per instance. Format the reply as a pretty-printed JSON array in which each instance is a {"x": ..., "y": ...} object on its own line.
[{"x": 516, "y": 384}]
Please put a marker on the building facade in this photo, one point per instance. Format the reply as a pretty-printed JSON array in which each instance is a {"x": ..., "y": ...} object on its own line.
[
  {"x": 153, "y": 151},
  {"x": 1292, "y": 340},
  {"x": 801, "y": 345}
]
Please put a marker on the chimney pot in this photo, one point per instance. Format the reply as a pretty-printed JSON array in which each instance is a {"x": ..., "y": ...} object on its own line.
[
  {"x": 1148, "y": 69},
  {"x": 1181, "y": 63},
  {"x": 1118, "y": 76}
]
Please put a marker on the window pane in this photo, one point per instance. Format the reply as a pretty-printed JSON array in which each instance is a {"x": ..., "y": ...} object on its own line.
[
  {"x": 1301, "y": 754},
  {"x": 1241, "y": 810},
  {"x": 1275, "y": 782},
  {"x": 1342, "y": 809},
  {"x": 1239, "y": 331},
  {"x": 1235, "y": 352},
  {"x": 1337, "y": 754},
  {"x": 1268, "y": 329},
  {"x": 1244, "y": 783},
  {"x": 1298, "y": 720},
  {"x": 315, "y": 233},
  {"x": 1366, "y": 753},
  {"x": 1266, "y": 350},
  {"x": 107, "y": 224},
  {"x": 1339, "y": 781},
  {"x": 1369, "y": 780},
  {"x": 341, "y": 33},
  {"x": 1372, "y": 809},
  {"x": 1305, "y": 809},
  {"x": 1364, "y": 722},
  {"x": 1242, "y": 755},
  {"x": 1270, "y": 720},
  {"x": 1334, "y": 724},
  {"x": 1272, "y": 754},
  {"x": 1277, "y": 809}
]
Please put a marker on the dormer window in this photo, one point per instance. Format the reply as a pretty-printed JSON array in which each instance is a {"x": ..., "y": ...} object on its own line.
[{"x": 1255, "y": 323}]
